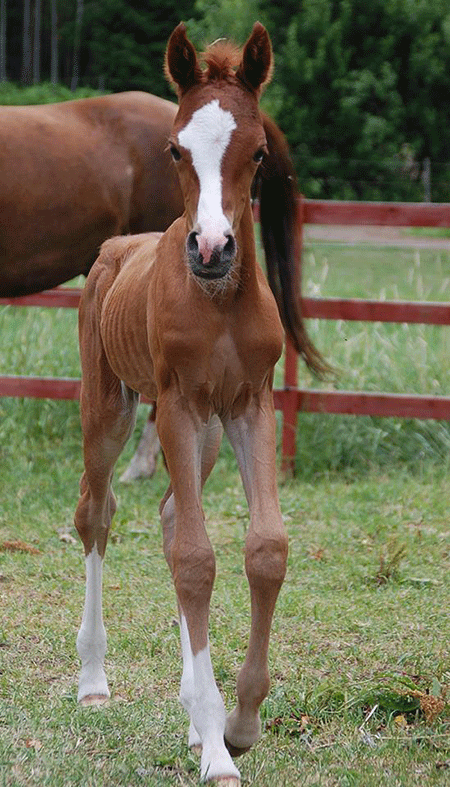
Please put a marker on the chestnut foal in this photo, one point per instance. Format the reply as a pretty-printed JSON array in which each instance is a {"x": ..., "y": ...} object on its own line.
[{"x": 189, "y": 320}]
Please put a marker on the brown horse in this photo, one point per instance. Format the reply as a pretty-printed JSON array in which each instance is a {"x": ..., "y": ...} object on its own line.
[
  {"x": 73, "y": 175},
  {"x": 188, "y": 320}
]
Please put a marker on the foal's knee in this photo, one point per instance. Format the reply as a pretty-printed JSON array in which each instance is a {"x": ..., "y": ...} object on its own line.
[
  {"x": 194, "y": 570},
  {"x": 93, "y": 517},
  {"x": 265, "y": 559}
]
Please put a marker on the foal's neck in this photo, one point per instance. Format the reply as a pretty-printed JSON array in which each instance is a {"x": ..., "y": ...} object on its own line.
[{"x": 246, "y": 257}]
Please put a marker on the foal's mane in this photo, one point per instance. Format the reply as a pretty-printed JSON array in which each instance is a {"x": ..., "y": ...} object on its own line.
[{"x": 221, "y": 59}]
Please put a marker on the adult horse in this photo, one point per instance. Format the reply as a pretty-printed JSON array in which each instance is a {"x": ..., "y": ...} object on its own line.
[
  {"x": 72, "y": 175},
  {"x": 188, "y": 319}
]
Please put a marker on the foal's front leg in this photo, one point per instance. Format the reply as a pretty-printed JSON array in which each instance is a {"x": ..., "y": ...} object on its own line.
[
  {"x": 106, "y": 426},
  {"x": 252, "y": 436},
  {"x": 108, "y": 411},
  {"x": 190, "y": 449}
]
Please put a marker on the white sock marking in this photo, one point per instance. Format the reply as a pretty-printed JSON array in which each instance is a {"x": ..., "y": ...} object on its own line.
[
  {"x": 207, "y": 136},
  {"x": 91, "y": 640},
  {"x": 201, "y": 698}
]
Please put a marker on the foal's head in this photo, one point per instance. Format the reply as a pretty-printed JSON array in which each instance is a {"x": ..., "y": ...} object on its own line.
[{"x": 217, "y": 141}]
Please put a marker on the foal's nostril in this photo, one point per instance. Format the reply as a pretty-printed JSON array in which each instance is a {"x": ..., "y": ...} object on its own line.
[
  {"x": 192, "y": 243},
  {"x": 230, "y": 246}
]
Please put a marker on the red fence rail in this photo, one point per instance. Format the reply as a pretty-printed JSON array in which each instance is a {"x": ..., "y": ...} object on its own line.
[{"x": 291, "y": 399}]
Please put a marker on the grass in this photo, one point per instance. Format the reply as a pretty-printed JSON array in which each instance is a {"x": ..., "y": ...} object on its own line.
[
  {"x": 429, "y": 232},
  {"x": 44, "y": 93},
  {"x": 360, "y": 646}
]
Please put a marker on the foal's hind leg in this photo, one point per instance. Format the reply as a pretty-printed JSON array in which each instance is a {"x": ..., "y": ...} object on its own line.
[
  {"x": 108, "y": 412},
  {"x": 143, "y": 461}
]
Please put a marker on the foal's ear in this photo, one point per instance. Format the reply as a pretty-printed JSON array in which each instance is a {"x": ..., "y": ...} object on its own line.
[
  {"x": 181, "y": 63},
  {"x": 256, "y": 65}
]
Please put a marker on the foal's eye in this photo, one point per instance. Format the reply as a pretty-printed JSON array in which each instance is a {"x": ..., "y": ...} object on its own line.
[
  {"x": 258, "y": 156},
  {"x": 175, "y": 153}
]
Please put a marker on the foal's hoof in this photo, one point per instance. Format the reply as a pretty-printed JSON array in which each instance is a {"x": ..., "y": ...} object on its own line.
[
  {"x": 225, "y": 781},
  {"x": 94, "y": 699},
  {"x": 234, "y": 750}
]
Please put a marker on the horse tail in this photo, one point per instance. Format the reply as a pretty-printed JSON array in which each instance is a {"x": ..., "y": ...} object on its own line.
[{"x": 277, "y": 190}]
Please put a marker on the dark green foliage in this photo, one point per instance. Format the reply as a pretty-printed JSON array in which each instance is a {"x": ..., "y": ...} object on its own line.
[
  {"x": 364, "y": 90},
  {"x": 120, "y": 45},
  {"x": 126, "y": 41}
]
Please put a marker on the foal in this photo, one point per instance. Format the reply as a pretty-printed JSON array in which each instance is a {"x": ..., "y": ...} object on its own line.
[{"x": 188, "y": 319}]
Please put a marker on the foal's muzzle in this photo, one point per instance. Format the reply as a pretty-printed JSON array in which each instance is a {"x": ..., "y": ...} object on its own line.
[{"x": 208, "y": 264}]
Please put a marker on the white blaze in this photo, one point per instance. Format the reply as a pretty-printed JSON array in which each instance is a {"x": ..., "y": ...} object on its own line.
[{"x": 206, "y": 137}]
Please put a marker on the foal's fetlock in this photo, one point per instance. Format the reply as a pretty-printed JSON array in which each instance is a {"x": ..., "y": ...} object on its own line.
[
  {"x": 241, "y": 731},
  {"x": 92, "y": 684}
]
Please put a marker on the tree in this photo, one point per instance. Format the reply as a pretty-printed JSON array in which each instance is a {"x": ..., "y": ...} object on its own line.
[
  {"x": 76, "y": 45},
  {"x": 2, "y": 40},
  {"x": 54, "y": 43},
  {"x": 356, "y": 82},
  {"x": 37, "y": 42},
  {"x": 126, "y": 40},
  {"x": 231, "y": 19},
  {"x": 26, "y": 43}
]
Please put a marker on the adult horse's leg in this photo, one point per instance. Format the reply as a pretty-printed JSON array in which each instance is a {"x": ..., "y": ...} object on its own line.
[
  {"x": 143, "y": 461},
  {"x": 252, "y": 436},
  {"x": 108, "y": 411},
  {"x": 191, "y": 449}
]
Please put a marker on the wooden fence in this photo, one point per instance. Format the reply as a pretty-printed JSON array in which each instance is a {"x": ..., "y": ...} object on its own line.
[{"x": 290, "y": 399}]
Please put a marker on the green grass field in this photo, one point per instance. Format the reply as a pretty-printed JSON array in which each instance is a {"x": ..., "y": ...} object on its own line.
[{"x": 360, "y": 648}]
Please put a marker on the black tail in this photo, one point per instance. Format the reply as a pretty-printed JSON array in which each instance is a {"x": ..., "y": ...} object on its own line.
[{"x": 277, "y": 192}]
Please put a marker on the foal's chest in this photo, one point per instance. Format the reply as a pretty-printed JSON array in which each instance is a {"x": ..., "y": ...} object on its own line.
[{"x": 222, "y": 365}]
